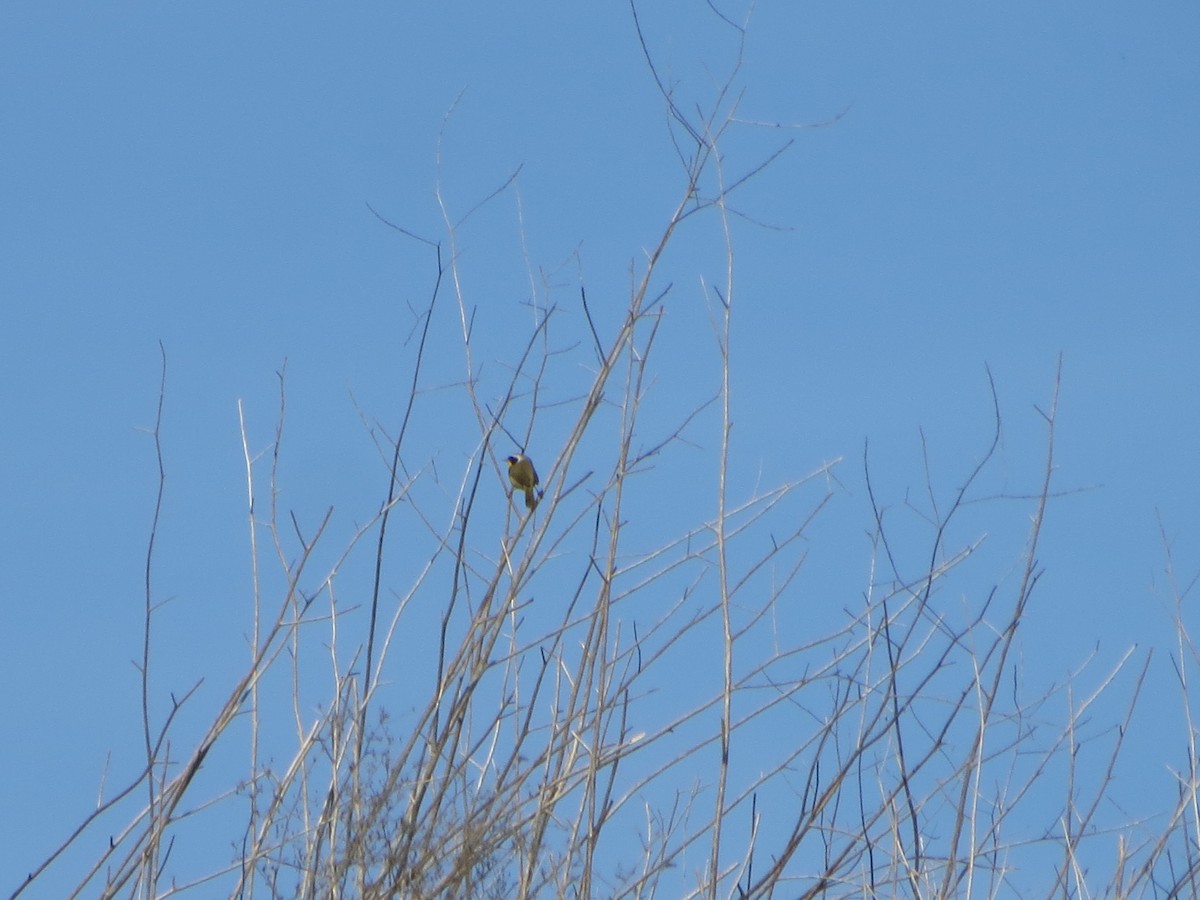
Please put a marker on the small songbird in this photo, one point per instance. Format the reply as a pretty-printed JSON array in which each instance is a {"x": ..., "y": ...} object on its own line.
[{"x": 524, "y": 477}]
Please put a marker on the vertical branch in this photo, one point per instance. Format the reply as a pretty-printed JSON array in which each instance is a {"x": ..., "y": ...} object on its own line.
[
  {"x": 257, "y": 617},
  {"x": 727, "y": 636},
  {"x": 151, "y": 858},
  {"x": 385, "y": 515}
]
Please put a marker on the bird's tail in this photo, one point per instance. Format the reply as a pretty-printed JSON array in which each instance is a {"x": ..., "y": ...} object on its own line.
[{"x": 530, "y": 498}]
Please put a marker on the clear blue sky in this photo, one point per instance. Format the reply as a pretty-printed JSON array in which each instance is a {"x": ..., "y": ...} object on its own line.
[{"x": 1008, "y": 183}]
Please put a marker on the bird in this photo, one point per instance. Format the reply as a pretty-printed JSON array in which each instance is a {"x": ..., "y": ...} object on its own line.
[{"x": 524, "y": 477}]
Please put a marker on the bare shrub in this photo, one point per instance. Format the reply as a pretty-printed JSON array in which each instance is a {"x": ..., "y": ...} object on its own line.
[{"x": 589, "y": 700}]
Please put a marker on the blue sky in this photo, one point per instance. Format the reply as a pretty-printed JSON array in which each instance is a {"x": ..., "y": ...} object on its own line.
[{"x": 1005, "y": 184}]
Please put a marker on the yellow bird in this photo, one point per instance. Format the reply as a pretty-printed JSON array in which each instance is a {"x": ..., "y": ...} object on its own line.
[{"x": 524, "y": 477}]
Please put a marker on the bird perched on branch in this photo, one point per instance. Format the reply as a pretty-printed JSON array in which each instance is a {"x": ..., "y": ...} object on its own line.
[{"x": 524, "y": 477}]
